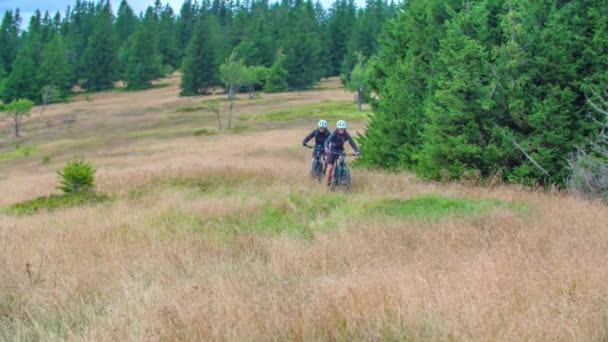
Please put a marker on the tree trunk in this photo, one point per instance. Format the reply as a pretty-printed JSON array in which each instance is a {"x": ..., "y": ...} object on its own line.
[
  {"x": 230, "y": 115},
  {"x": 17, "y": 125},
  {"x": 219, "y": 121},
  {"x": 359, "y": 94},
  {"x": 231, "y": 92},
  {"x": 251, "y": 91}
]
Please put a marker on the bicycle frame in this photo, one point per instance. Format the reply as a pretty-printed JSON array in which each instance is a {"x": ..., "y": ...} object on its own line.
[
  {"x": 318, "y": 162},
  {"x": 341, "y": 174}
]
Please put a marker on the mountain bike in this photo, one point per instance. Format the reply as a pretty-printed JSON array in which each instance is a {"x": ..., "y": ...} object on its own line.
[
  {"x": 317, "y": 169},
  {"x": 341, "y": 179}
]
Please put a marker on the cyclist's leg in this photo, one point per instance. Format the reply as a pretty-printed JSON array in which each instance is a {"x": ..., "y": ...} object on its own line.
[{"x": 330, "y": 167}]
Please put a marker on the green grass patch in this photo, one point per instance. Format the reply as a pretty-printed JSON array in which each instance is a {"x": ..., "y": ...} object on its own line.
[
  {"x": 329, "y": 110},
  {"x": 54, "y": 202},
  {"x": 311, "y": 207},
  {"x": 275, "y": 220},
  {"x": 435, "y": 207},
  {"x": 267, "y": 220},
  {"x": 21, "y": 151}
]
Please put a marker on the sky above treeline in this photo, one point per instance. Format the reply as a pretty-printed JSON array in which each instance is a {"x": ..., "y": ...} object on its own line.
[{"x": 28, "y": 7}]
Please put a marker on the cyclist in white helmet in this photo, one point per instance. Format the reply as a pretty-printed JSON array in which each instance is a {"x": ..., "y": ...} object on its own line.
[
  {"x": 334, "y": 146},
  {"x": 321, "y": 133}
]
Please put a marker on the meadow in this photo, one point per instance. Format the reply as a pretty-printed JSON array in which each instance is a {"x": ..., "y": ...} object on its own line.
[{"x": 221, "y": 235}]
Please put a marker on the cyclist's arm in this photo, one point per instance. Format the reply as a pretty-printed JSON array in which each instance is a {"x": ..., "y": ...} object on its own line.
[
  {"x": 328, "y": 141},
  {"x": 308, "y": 137},
  {"x": 353, "y": 144}
]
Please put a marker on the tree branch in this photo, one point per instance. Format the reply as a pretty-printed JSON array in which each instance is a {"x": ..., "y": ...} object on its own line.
[{"x": 528, "y": 156}]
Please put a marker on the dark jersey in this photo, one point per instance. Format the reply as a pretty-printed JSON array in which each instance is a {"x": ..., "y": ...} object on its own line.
[
  {"x": 336, "y": 141},
  {"x": 320, "y": 137}
]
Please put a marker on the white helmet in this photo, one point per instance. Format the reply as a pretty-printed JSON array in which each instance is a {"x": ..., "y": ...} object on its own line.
[
  {"x": 323, "y": 123},
  {"x": 341, "y": 124}
]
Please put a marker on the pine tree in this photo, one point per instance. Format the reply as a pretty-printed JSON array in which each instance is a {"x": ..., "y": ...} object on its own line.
[
  {"x": 126, "y": 22},
  {"x": 185, "y": 25},
  {"x": 2, "y": 82},
  {"x": 556, "y": 118},
  {"x": 404, "y": 76},
  {"x": 200, "y": 69},
  {"x": 35, "y": 36},
  {"x": 21, "y": 81},
  {"x": 341, "y": 23},
  {"x": 322, "y": 18},
  {"x": 78, "y": 28},
  {"x": 276, "y": 79},
  {"x": 302, "y": 49},
  {"x": 144, "y": 60},
  {"x": 9, "y": 38},
  {"x": 167, "y": 43},
  {"x": 54, "y": 68},
  {"x": 458, "y": 137},
  {"x": 101, "y": 54}
]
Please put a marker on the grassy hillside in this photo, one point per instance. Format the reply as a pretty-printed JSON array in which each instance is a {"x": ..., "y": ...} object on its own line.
[{"x": 221, "y": 235}]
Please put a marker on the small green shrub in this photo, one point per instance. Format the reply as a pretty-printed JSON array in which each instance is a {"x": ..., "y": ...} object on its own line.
[
  {"x": 76, "y": 176},
  {"x": 46, "y": 160}
]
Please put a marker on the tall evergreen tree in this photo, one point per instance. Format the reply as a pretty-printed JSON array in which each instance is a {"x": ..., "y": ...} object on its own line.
[
  {"x": 9, "y": 38},
  {"x": 100, "y": 56},
  {"x": 2, "y": 82},
  {"x": 79, "y": 25},
  {"x": 276, "y": 79},
  {"x": 145, "y": 61},
  {"x": 54, "y": 69},
  {"x": 126, "y": 22},
  {"x": 167, "y": 43},
  {"x": 403, "y": 79},
  {"x": 185, "y": 25},
  {"x": 302, "y": 49},
  {"x": 343, "y": 14},
  {"x": 200, "y": 69},
  {"x": 21, "y": 81},
  {"x": 458, "y": 137}
]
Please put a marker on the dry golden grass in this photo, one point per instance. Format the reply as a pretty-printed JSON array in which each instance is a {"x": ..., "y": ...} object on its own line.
[{"x": 158, "y": 262}]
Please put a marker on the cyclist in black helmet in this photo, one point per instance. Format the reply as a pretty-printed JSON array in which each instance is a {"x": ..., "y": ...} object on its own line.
[{"x": 320, "y": 134}]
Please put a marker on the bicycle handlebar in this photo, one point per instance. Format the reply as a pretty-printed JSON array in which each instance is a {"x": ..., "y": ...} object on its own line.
[
  {"x": 346, "y": 154},
  {"x": 311, "y": 147}
]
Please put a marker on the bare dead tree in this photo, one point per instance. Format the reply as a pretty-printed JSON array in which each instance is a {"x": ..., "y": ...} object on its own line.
[
  {"x": 214, "y": 107},
  {"x": 49, "y": 95},
  {"x": 589, "y": 168}
]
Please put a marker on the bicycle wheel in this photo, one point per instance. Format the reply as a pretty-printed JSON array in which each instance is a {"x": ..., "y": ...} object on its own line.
[
  {"x": 320, "y": 168},
  {"x": 335, "y": 178},
  {"x": 345, "y": 180},
  {"x": 314, "y": 169}
]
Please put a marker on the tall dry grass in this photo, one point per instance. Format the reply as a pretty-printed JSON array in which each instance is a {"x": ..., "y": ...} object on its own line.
[{"x": 147, "y": 266}]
